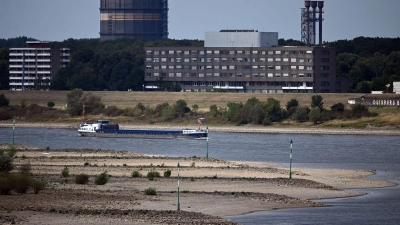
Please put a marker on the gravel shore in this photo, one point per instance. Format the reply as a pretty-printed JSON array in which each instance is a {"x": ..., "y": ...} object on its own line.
[{"x": 209, "y": 188}]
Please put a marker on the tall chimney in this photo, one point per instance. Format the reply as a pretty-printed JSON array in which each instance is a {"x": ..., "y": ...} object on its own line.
[
  {"x": 320, "y": 6},
  {"x": 307, "y": 5},
  {"x": 314, "y": 6}
]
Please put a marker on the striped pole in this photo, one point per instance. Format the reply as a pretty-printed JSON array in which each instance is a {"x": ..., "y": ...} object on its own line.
[
  {"x": 179, "y": 204},
  {"x": 290, "y": 171}
]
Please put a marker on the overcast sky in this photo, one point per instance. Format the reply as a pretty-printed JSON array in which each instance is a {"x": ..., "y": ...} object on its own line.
[{"x": 57, "y": 20}]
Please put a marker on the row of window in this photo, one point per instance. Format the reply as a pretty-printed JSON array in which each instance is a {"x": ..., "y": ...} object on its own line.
[
  {"x": 301, "y": 60},
  {"x": 30, "y": 64},
  {"x": 231, "y": 52},
  {"x": 244, "y": 84},
  {"x": 28, "y": 69},
  {"x": 301, "y": 75},
  {"x": 29, "y": 57},
  {"x": 212, "y": 67}
]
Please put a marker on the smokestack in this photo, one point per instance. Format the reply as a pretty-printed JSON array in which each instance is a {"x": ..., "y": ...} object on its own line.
[
  {"x": 307, "y": 5},
  {"x": 314, "y": 6},
  {"x": 320, "y": 6}
]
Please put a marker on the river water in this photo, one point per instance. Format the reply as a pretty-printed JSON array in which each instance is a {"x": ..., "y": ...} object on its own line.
[{"x": 369, "y": 152}]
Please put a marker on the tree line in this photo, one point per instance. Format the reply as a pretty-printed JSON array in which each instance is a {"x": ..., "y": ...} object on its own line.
[
  {"x": 369, "y": 63},
  {"x": 253, "y": 111}
]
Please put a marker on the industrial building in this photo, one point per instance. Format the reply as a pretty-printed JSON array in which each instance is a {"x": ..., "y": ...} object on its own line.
[
  {"x": 33, "y": 67},
  {"x": 141, "y": 19},
  {"x": 245, "y": 61}
]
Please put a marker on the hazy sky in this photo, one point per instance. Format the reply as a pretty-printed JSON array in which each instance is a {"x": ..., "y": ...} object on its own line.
[{"x": 57, "y": 20}]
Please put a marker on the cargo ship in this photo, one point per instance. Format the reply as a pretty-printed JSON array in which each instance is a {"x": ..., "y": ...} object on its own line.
[{"x": 103, "y": 128}]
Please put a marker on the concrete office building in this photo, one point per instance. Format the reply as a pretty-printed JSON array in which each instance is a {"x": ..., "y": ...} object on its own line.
[
  {"x": 141, "y": 19},
  {"x": 248, "y": 69},
  {"x": 33, "y": 67}
]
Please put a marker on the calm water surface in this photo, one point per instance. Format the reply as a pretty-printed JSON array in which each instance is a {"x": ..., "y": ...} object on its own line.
[{"x": 380, "y": 153}]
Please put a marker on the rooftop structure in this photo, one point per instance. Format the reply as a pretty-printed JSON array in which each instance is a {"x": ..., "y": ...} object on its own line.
[
  {"x": 240, "y": 38},
  {"x": 141, "y": 19},
  {"x": 309, "y": 19}
]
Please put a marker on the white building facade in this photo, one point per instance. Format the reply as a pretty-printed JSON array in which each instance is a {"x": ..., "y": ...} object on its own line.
[
  {"x": 32, "y": 68},
  {"x": 240, "y": 38}
]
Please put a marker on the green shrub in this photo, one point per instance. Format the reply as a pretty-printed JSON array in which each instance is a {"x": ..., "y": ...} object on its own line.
[
  {"x": 38, "y": 185},
  {"x": 193, "y": 164},
  {"x": 136, "y": 173},
  {"x": 65, "y": 172},
  {"x": 50, "y": 104},
  {"x": 25, "y": 168},
  {"x": 6, "y": 159},
  {"x": 167, "y": 173},
  {"x": 215, "y": 177},
  {"x": 150, "y": 191},
  {"x": 22, "y": 182},
  {"x": 4, "y": 114},
  {"x": 6, "y": 183},
  {"x": 113, "y": 111},
  {"x": 266, "y": 121},
  {"x": 152, "y": 174},
  {"x": 102, "y": 178},
  {"x": 82, "y": 179},
  {"x": 3, "y": 100}
]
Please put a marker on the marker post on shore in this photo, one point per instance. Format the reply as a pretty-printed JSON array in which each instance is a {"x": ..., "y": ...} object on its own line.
[
  {"x": 207, "y": 142},
  {"x": 13, "y": 129},
  {"x": 290, "y": 171},
  {"x": 179, "y": 204}
]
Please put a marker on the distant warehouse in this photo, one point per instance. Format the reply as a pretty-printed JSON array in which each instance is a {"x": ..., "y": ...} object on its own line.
[
  {"x": 141, "y": 19},
  {"x": 245, "y": 61}
]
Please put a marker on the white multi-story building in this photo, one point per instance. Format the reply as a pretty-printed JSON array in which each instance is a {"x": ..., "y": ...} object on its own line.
[{"x": 32, "y": 68}]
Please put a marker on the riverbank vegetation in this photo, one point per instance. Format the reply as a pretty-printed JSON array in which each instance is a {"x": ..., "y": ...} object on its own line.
[{"x": 256, "y": 110}]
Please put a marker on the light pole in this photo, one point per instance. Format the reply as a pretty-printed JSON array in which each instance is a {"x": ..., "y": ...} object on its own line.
[
  {"x": 13, "y": 129},
  {"x": 179, "y": 204},
  {"x": 290, "y": 171}
]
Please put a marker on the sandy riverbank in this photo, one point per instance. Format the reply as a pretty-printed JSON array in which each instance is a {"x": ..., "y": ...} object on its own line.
[{"x": 209, "y": 189}]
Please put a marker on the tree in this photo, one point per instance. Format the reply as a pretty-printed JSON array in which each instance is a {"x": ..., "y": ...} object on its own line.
[
  {"x": 74, "y": 102},
  {"x": 195, "y": 107},
  {"x": 232, "y": 113},
  {"x": 4, "y": 75},
  {"x": 181, "y": 108},
  {"x": 3, "y": 100},
  {"x": 292, "y": 103},
  {"x": 6, "y": 159},
  {"x": 314, "y": 115},
  {"x": 301, "y": 114},
  {"x": 257, "y": 114},
  {"x": 338, "y": 107},
  {"x": 50, "y": 104},
  {"x": 273, "y": 109},
  {"x": 316, "y": 101},
  {"x": 363, "y": 87}
]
